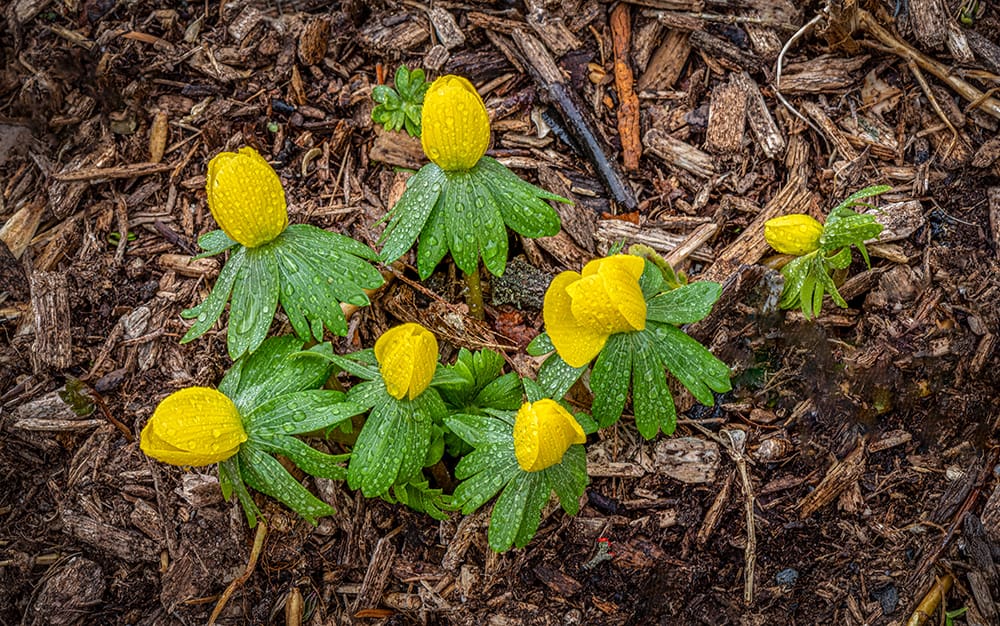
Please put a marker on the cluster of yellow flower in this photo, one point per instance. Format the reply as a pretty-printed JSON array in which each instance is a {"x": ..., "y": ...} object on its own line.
[
  {"x": 582, "y": 313},
  {"x": 200, "y": 426}
]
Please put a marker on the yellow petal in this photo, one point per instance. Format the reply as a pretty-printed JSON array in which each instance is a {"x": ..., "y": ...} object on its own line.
[
  {"x": 608, "y": 297},
  {"x": 455, "y": 128},
  {"x": 193, "y": 426},
  {"x": 246, "y": 197},
  {"x": 795, "y": 234},
  {"x": 162, "y": 451},
  {"x": 407, "y": 356},
  {"x": 576, "y": 343},
  {"x": 543, "y": 431},
  {"x": 628, "y": 263}
]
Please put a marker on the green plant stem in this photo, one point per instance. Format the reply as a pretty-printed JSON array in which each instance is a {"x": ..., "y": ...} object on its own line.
[{"x": 474, "y": 295}]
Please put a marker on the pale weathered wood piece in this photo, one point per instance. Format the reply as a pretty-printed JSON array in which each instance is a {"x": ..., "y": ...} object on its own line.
[
  {"x": 727, "y": 116},
  {"x": 679, "y": 154},
  {"x": 53, "y": 345},
  {"x": 667, "y": 62},
  {"x": 762, "y": 125}
]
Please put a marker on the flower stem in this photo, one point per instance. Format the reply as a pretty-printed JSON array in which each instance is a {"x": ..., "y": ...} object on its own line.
[{"x": 474, "y": 295}]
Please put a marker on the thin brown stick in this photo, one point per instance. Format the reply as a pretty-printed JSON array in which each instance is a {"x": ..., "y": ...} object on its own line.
[
  {"x": 915, "y": 70},
  {"x": 868, "y": 23},
  {"x": 258, "y": 544}
]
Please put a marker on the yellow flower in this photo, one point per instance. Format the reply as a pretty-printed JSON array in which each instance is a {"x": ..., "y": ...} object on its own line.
[
  {"x": 455, "y": 129},
  {"x": 194, "y": 426},
  {"x": 543, "y": 431},
  {"x": 246, "y": 197},
  {"x": 407, "y": 357},
  {"x": 794, "y": 234},
  {"x": 582, "y": 311}
]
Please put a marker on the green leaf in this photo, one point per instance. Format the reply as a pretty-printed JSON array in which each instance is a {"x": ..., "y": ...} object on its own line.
[
  {"x": 518, "y": 511},
  {"x": 684, "y": 305},
  {"x": 231, "y": 480},
  {"x": 402, "y": 79},
  {"x": 473, "y": 218},
  {"x": 504, "y": 393},
  {"x": 433, "y": 238},
  {"x": 477, "y": 383},
  {"x": 831, "y": 287},
  {"x": 795, "y": 273},
  {"x": 300, "y": 412},
  {"x": 339, "y": 249},
  {"x": 462, "y": 222},
  {"x": 532, "y": 390},
  {"x": 840, "y": 260},
  {"x": 76, "y": 395},
  {"x": 436, "y": 449},
  {"x": 306, "y": 458},
  {"x": 569, "y": 478},
  {"x": 393, "y": 443},
  {"x": 381, "y": 93},
  {"x": 408, "y": 216},
  {"x": 418, "y": 495},
  {"x": 651, "y": 400},
  {"x": 210, "y": 309},
  {"x": 360, "y": 364},
  {"x": 540, "y": 345},
  {"x": 255, "y": 299},
  {"x": 262, "y": 472},
  {"x": 320, "y": 270},
  {"x": 694, "y": 366},
  {"x": 521, "y": 204},
  {"x": 307, "y": 303},
  {"x": 609, "y": 379},
  {"x": 847, "y": 228},
  {"x": 214, "y": 242},
  {"x": 481, "y": 430},
  {"x": 867, "y": 192},
  {"x": 411, "y": 123},
  {"x": 651, "y": 280},
  {"x": 273, "y": 370},
  {"x": 556, "y": 376},
  {"x": 585, "y": 421},
  {"x": 479, "y": 487}
]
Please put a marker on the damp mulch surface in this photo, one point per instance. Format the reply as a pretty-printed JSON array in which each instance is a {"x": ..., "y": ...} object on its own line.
[{"x": 852, "y": 465}]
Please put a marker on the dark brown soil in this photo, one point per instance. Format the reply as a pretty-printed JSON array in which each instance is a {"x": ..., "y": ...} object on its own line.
[{"x": 867, "y": 436}]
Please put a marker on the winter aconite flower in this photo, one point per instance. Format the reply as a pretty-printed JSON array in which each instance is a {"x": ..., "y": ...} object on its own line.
[
  {"x": 245, "y": 197},
  {"x": 582, "y": 310},
  {"x": 524, "y": 458},
  {"x": 624, "y": 313},
  {"x": 794, "y": 234},
  {"x": 463, "y": 201},
  {"x": 310, "y": 271},
  {"x": 395, "y": 442},
  {"x": 543, "y": 431},
  {"x": 455, "y": 125},
  {"x": 407, "y": 356},
  {"x": 822, "y": 251},
  {"x": 194, "y": 426},
  {"x": 263, "y": 401}
]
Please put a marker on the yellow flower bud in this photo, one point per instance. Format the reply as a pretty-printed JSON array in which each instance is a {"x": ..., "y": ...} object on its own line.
[
  {"x": 194, "y": 426},
  {"x": 543, "y": 431},
  {"x": 407, "y": 357},
  {"x": 455, "y": 129},
  {"x": 246, "y": 197},
  {"x": 794, "y": 234},
  {"x": 582, "y": 310}
]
